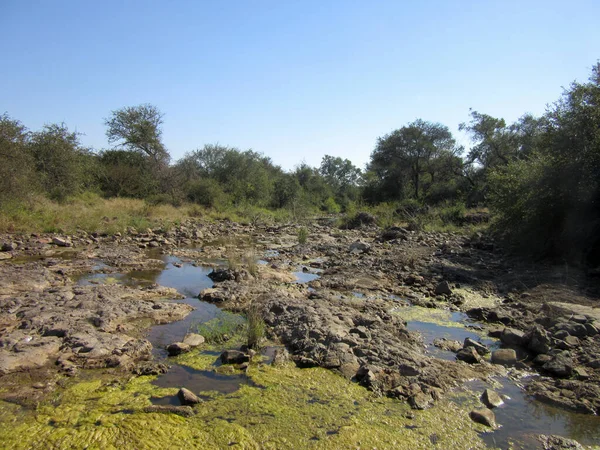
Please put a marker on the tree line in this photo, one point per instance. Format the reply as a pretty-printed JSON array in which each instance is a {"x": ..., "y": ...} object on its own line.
[{"x": 539, "y": 175}]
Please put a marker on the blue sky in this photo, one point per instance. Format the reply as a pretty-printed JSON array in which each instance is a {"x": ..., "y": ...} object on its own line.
[{"x": 293, "y": 80}]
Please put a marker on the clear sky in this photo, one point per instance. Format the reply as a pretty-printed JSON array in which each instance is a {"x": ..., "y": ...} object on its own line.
[{"x": 292, "y": 79}]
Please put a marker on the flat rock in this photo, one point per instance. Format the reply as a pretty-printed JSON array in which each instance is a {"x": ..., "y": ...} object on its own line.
[
  {"x": 483, "y": 416},
  {"x": 193, "y": 340},
  {"x": 561, "y": 365},
  {"x": 558, "y": 443},
  {"x": 491, "y": 399},
  {"x": 61, "y": 242}
]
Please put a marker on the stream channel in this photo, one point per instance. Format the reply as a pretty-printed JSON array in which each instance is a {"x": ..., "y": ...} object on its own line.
[{"x": 521, "y": 417}]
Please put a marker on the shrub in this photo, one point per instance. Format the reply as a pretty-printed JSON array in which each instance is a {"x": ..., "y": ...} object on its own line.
[
  {"x": 255, "y": 326},
  {"x": 302, "y": 235}
]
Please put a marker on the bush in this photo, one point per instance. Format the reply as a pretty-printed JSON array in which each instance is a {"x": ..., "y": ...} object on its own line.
[{"x": 302, "y": 235}]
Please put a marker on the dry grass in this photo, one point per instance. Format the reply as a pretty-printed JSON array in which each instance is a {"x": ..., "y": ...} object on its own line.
[{"x": 86, "y": 212}]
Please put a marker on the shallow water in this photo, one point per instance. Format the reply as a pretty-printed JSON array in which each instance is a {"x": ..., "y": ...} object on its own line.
[
  {"x": 521, "y": 418},
  {"x": 305, "y": 277},
  {"x": 198, "y": 381}
]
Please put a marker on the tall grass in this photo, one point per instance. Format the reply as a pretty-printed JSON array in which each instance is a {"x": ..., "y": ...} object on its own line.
[{"x": 255, "y": 331}]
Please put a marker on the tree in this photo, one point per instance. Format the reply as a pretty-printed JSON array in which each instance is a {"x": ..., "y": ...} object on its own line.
[
  {"x": 342, "y": 176},
  {"x": 547, "y": 201},
  {"x": 407, "y": 155},
  {"x": 138, "y": 128},
  {"x": 17, "y": 178},
  {"x": 60, "y": 161},
  {"x": 126, "y": 174}
]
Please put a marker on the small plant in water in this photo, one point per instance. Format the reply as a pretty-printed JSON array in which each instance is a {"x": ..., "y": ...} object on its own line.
[
  {"x": 255, "y": 327},
  {"x": 302, "y": 235},
  {"x": 222, "y": 327}
]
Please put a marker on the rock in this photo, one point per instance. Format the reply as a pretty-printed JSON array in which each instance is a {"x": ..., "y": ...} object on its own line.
[
  {"x": 483, "y": 416},
  {"x": 212, "y": 295},
  {"x": 178, "y": 348},
  {"x": 220, "y": 275},
  {"x": 187, "y": 397},
  {"x": 234, "y": 357},
  {"x": 420, "y": 401},
  {"x": 538, "y": 340},
  {"x": 447, "y": 344},
  {"x": 491, "y": 399},
  {"x": 478, "y": 346},
  {"x": 542, "y": 359},
  {"x": 468, "y": 355},
  {"x": 561, "y": 365},
  {"x": 559, "y": 443},
  {"x": 184, "y": 411},
  {"x": 5, "y": 256},
  {"x": 61, "y": 242},
  {"x": 573, "y": 328},
  {"x": 510, "y": 336},
  {"x": 150, "y": 368},
  {"x": 193, "y": 340},
  {"x": 504, "y": 356},
  {"x": 281, "y": 356},
  {"x": 443, "y": 288},
  {"x": 581, "y": 373},
  {"x": 359, "y": 247},
  {"x": 9, "y": 246}
]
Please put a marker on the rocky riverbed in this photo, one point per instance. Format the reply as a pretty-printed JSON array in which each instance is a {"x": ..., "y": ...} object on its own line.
[{"x": 411, "y": 316}]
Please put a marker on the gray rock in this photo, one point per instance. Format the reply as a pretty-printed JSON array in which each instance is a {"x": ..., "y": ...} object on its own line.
[
  {"x": 234, "y": 357},
  {"x": 178, "y": 348},
  {"x": 581, "y": 373},
  {"x": 187, "y": 397},
  {"x": 504, "y": 356},
  {"x": 484, "y": 416},
  {"x": 510, "y": 336},
  {"x": 468, "y": 355},
  {"x": 478, "y": 346},
  {"x": 573, "y": 328},
  {"x": 61, "y": 242},
  {"x": 420, "y": 401},
  {"x": 5, "y": 255},
  {"x": 359, "y": 247},
  {"x": 9, "y": 246},
  {"x": 561, "y": 365},
  {"x": 538, "y": 340},
  {"x": 193, "y": 340},
  {"x": 559, "y": 443},
  {"x": 491, "y": 399},
  {"x": 542, "y": 359},
  {"x": 443, "y": 288},
  {"x": 447, "y": 344}
]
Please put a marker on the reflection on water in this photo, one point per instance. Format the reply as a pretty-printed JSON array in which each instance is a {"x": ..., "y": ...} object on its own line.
[{"x": 305, "y": 277}]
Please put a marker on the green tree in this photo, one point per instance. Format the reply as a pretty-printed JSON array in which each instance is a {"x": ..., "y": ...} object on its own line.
[
  {"x": 60, "y": 161},
  {"x": 548, "y": 201},
  {"x": 17, "y": 178},
  {"x": 138, "y": 128},
  {"x": 409, "y": 155},
  {"x": 126, "y": 174}
]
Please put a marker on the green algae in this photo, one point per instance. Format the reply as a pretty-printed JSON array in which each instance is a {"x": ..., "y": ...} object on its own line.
[{"x": 289, "y": 408}]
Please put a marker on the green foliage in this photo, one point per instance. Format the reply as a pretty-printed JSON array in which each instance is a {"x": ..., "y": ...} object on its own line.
[
  {"x": 302, "y": 235},
  {"x": 17, "y": 177},
  {"x": 126, "y": 173},
  {"x": 407, "y": 161},
  {"x": 59, "y": 160},
  {"x": 547, "y": 202},
  {"x": 222, "y": 328},
  {"x": 137, "y": 128},
  {"x": 206, "y": 192},
  {"x": 331, "y": 206}
]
